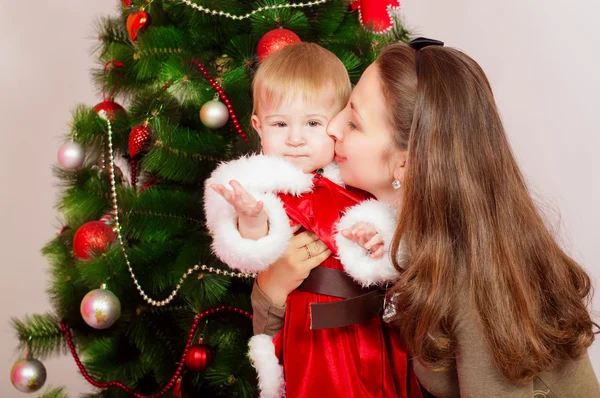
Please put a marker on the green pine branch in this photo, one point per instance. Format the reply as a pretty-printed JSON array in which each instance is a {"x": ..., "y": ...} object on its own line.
[
  {"x": 288, "y": 18},
  {"x": 55, "y": 393},
  {"x": 186, "y": 85},
  {"x": 111, "y": 30},
  {"x": 326, "y": 20},
  {"x": 66, "y": 288},
  {"x": 154, "y": 101},
  {"x": 184, "y": 155},
  {"x": 85, "y": 197},
  {"x": 155, "y": 346},
  {"x": 40, "y": 335},
  {"x": 109, "y": 358}
]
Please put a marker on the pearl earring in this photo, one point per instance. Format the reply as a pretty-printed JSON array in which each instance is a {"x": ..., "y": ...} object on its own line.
[{"x": 396, "y": 184}]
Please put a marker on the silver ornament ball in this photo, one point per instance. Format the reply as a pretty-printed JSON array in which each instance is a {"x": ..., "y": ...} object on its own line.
[
  {"x": 71, "y": 155},
  {"x": 214, "y": 114},
  {"x": 28, "y": 375},
  {"x": 100, "y": 308}
]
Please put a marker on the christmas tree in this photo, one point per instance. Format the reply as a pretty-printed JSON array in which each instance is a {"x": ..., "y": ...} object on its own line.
[{"x": 139, "y": 301}]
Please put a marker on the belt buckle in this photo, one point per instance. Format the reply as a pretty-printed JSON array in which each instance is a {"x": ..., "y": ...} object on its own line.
[{"x": 387, "y": 313}]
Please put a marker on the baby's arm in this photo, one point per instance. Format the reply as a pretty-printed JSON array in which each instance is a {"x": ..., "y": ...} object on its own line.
[{"x": 253, "y": 222}]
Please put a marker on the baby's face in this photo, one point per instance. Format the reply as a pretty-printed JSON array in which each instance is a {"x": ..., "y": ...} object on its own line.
[{"x": 296, "y": 130}]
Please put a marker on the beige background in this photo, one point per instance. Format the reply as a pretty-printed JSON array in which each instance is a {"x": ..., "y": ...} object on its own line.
[{"x": 543, "y": 64}]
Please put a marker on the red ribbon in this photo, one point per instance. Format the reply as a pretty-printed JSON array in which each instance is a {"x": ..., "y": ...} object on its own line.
[{"x": 113, "y": 63}]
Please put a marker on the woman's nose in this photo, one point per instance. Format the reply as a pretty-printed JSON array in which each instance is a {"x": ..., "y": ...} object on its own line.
[{"x": 334, "y": 128}]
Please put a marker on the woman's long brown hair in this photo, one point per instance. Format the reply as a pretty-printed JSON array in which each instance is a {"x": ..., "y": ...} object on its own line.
[{"x": 467, "y": 216}]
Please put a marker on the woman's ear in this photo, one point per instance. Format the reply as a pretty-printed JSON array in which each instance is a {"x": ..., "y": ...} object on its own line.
[
  {"x": 400, "y": 166},
  {"x": 256, "y": 125}
]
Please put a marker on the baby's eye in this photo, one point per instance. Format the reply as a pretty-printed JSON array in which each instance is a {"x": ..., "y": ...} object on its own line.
[
  {"x": 314, "y": 123},
  {"x": 279, "y": 124}
]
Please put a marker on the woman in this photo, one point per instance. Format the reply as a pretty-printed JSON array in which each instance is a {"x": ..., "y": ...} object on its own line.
[{"x": 486, "y": 300}]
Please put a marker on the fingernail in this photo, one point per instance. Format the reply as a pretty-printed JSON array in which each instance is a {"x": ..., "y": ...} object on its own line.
[{"x": 367, "y": 246}]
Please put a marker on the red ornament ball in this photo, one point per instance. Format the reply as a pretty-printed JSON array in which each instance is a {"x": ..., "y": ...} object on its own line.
[
  {"x": 91, "y": 238},
  {"x": 139, "y": 137},
  {"x": 198, "y": 358},
  {"x": 274, "y": 41},
  {"x": 109, "y": 110}
]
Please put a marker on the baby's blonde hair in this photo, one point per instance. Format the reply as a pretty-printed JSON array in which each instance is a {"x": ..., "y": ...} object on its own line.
[{"x": 305, "y": 69}]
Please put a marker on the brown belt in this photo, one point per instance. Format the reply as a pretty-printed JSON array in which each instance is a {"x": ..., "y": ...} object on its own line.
[{"x": 360, "y": 304}]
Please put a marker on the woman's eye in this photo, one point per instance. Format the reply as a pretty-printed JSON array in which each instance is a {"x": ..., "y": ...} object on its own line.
[{"x": 351, "y": 125}]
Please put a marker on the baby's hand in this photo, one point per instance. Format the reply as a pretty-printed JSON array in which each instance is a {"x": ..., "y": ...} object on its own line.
[
  {"x": 240, "y": 199},
  {"x": 366, "y": 236}
]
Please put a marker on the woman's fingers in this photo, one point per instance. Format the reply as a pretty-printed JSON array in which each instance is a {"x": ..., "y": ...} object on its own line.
[
  {"x": 313, "y": 249},
  {"x": 303, "y": 239},
  {"x": 316, "y": 260}
]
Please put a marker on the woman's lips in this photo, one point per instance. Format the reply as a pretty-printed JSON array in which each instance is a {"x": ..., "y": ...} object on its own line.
[{"x": 339, "y": 159}]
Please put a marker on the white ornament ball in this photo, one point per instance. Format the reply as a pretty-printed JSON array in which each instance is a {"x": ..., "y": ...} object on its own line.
[
  {"x": 100, "y": 308},
  {"x": 71, "y": 155},
  {"x": 28, "y": 375},
  {"x": 214, "y": 114}
]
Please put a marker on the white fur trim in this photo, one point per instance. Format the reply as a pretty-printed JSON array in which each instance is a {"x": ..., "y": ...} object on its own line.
[
  {"x": 332, "y": 173},
  {"x": 390, "y": 8},
  {"x": 262, "y": 173},
  {"x": 270, "y": 373},
  {"x": 358, "y": 264},
  {"x": 247, "y": 255}
]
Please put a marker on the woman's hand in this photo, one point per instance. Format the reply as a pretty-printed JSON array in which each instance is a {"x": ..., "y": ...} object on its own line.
[
  {"x": 367, "y": 237},
  {"x": 305, "y": 252}
]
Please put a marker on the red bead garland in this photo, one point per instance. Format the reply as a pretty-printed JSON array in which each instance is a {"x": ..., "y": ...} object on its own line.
[
  {"x": 224, "y": 98},
  {"x": 177, "y": 373}
]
